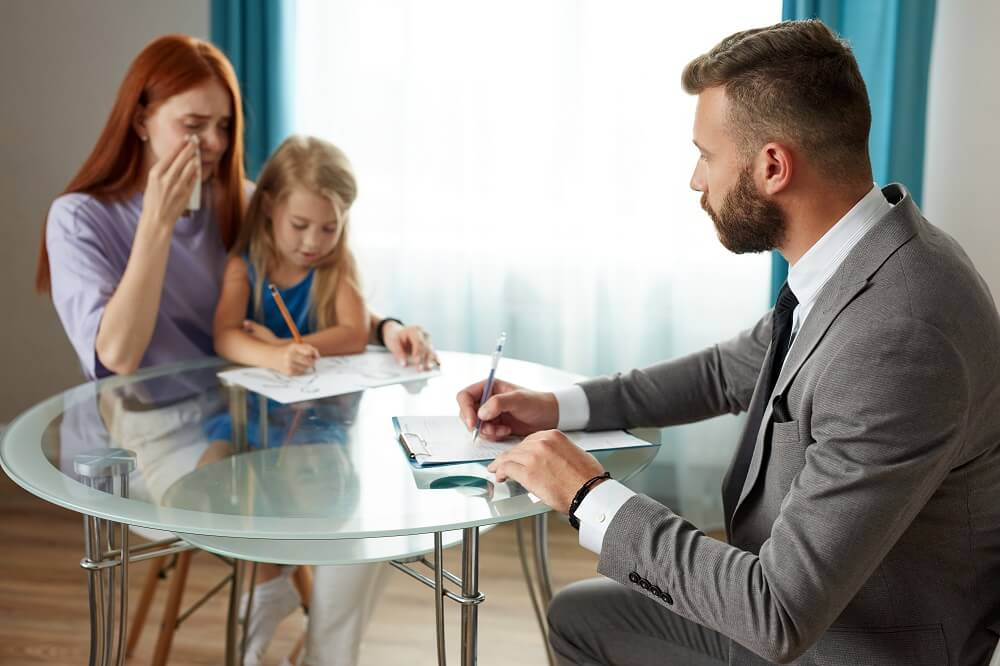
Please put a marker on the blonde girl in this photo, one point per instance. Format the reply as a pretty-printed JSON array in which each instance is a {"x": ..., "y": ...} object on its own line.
[{"x": 295, "y": 237}]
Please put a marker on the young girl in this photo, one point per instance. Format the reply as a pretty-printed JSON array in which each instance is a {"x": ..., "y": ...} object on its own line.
[{"x": 294, "y": 237}]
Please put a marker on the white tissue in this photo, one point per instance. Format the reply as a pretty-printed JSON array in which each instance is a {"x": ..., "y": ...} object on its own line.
[{"x": 195, "y": 202}]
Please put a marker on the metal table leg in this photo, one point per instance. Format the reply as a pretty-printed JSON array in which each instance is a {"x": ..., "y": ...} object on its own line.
[
  {"x": 238, "y": 417},
  {"x": 539, "y": 602},
  {"x": 99, "y": 470},
  {"x": 123, "y": 582},
  {"x": 470, "y": 588},
  {"x": 95, "y": 590},
  {"x": 542, "y": 558},
  {"x": 439, "y": 596}
]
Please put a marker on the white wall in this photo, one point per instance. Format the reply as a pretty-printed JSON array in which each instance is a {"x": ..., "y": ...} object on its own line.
[
  {"x": 963, "y": 131},
  {"x": 60, "y": 66}
]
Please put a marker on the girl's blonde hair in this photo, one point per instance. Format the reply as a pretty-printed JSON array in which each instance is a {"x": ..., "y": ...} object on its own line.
[{"x": 324, "y": 170}]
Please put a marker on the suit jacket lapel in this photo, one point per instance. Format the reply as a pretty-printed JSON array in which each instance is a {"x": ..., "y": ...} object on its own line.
[
  {"x": 863, "y": 261},
  {"x": 755, "y": 400}
]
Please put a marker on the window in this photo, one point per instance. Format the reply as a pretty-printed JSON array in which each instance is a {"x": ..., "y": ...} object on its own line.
[{"x": 524, "y": 166}]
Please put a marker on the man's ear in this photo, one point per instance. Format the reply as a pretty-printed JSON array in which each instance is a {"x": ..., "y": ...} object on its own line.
[{"x": 775, "y": 168}]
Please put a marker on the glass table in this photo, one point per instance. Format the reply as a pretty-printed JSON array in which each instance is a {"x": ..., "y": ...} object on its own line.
[{"x": 226, "y": 470}]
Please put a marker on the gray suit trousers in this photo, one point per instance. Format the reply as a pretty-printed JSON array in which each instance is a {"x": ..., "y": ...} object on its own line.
[{"x": 599, "y": 621}]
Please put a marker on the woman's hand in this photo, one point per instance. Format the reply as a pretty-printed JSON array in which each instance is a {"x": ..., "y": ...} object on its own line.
[
  {"x": 129, "y": 317},
  {"x": 411, "y": 345},
  {"x": 260, "y": 332},
  {"x": 169, "y": 185},
  {"x": 293, "y": 359}
]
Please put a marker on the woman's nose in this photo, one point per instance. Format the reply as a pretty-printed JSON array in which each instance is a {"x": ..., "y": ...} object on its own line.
[{"x": 214, "y": 140}]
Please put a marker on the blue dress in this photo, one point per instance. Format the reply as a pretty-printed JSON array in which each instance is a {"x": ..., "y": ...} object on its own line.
[
  {"x": 319, "y": 423},
  {"x": 296, "y": 299}
]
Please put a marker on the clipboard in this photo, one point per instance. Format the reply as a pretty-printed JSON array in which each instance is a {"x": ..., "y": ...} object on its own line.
[
  {"x": 412, "y": 443},
  {"x": 431, "y": 441}
]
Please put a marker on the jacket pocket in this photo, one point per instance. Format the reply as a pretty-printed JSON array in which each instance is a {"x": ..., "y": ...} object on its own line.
[
  {"x": 893, "y": 646},
  {"x": 788, "y": 456}
]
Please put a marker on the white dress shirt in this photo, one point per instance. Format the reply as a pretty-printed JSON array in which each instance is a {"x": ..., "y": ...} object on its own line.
[{"x": 805, "y": 279}]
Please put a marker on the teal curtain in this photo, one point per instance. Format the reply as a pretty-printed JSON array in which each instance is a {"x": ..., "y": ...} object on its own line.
[
  {"x": 256, "y": 38},
  {"x": 892, "y": 42}
]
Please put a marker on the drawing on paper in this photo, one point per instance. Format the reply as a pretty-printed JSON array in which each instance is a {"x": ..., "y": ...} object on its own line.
[
  {"x": 275, "y": 380},
  {"x": 333, "y": 375}
]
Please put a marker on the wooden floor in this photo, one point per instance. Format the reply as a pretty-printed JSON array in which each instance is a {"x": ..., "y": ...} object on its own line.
[{"x": 45, "y": 619}]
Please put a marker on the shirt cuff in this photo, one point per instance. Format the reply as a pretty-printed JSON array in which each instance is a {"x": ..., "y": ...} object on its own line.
[
  {"x": 574, "y": 410},
  {"x": 597, "y": 510}
]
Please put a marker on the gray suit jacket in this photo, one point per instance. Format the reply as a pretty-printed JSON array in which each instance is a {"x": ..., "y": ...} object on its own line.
[{"x": 868, "y": 529}]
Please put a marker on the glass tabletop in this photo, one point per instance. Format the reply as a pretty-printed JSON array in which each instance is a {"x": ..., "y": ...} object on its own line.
[{"x": 211, "y": 459}]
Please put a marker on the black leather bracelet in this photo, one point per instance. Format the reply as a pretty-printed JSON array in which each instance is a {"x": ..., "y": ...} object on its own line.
[
  {"x": 381, "y": 325},
  {"x": 580, "y": 494}
]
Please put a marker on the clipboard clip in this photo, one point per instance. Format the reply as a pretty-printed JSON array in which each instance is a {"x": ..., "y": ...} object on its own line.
[{"x": 414, "y": 445}]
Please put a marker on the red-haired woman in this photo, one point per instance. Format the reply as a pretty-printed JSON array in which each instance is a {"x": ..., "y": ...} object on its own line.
[
  {"x": 134, "y": 262},
  {"x": 133, "y": 274}
]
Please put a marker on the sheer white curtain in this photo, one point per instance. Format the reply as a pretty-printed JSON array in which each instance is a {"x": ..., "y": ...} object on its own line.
[{"x": 524, "y": 166}]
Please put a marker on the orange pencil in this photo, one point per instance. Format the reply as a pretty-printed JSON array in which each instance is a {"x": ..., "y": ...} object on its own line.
[{"x": 284, "y": 313}]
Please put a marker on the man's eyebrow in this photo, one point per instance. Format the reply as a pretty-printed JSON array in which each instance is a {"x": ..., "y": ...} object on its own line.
[{"x": 699, "y": 146}]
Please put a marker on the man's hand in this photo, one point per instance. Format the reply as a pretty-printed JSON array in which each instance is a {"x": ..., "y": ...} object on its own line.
[
  {"x": 510, "y": 410},
  {"x": 549, "y": 465}
]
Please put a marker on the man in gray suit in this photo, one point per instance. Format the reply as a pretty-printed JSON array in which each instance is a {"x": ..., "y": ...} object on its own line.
[{"x": 863, "y": 503}]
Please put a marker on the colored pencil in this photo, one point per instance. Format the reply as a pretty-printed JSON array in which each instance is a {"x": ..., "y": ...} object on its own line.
[{"x": 284, "y": 313}]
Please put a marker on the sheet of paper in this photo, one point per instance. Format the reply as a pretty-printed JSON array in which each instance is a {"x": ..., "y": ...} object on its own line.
[
  {"x": 439, "y": 440},
  {"x": 333, "y": 375}
]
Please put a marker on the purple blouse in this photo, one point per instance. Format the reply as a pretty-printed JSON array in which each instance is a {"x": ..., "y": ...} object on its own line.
[{"x": 89, "y": 242}]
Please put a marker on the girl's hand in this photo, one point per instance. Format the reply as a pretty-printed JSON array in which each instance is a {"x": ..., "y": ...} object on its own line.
[
  {"x": 169, "y": 185},
  {"x": 262, "y": 333},
  {"x": 294, "y": 359},
  {"x": 411, "y": 345}
]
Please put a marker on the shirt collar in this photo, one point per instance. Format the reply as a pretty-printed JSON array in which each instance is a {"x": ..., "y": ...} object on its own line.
[{"x": 822, "y": 260}]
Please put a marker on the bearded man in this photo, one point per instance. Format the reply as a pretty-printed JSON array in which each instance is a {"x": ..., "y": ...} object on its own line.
[{"x": 861, "y": 506}]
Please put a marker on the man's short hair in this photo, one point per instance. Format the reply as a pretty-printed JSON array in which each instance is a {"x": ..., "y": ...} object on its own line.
[{"x": 794, "y": 82}]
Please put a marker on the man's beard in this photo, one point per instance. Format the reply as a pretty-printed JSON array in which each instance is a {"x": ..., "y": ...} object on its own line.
[{"x": 747, "y": 222}]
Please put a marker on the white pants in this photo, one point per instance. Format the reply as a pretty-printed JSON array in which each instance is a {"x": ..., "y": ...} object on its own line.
[{"x": 342, "y": 603}]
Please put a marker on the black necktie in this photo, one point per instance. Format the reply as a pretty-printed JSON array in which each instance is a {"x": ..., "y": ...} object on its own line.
[{"x": 781, "y": 330}]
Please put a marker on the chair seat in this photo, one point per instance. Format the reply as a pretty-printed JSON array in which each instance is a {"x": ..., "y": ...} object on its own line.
[{"x": 150, "y": 534}]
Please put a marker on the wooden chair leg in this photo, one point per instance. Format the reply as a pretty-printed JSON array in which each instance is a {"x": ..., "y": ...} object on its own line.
[
  {"x": 142, "y": 609},
  {"x": 172, "y": 609}
]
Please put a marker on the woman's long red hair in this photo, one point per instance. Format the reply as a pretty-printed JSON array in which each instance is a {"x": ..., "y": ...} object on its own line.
[{"x": 169, "y": 65}]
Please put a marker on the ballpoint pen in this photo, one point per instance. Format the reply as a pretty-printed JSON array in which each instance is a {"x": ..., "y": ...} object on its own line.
[{"x": 497, "y": 353}]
